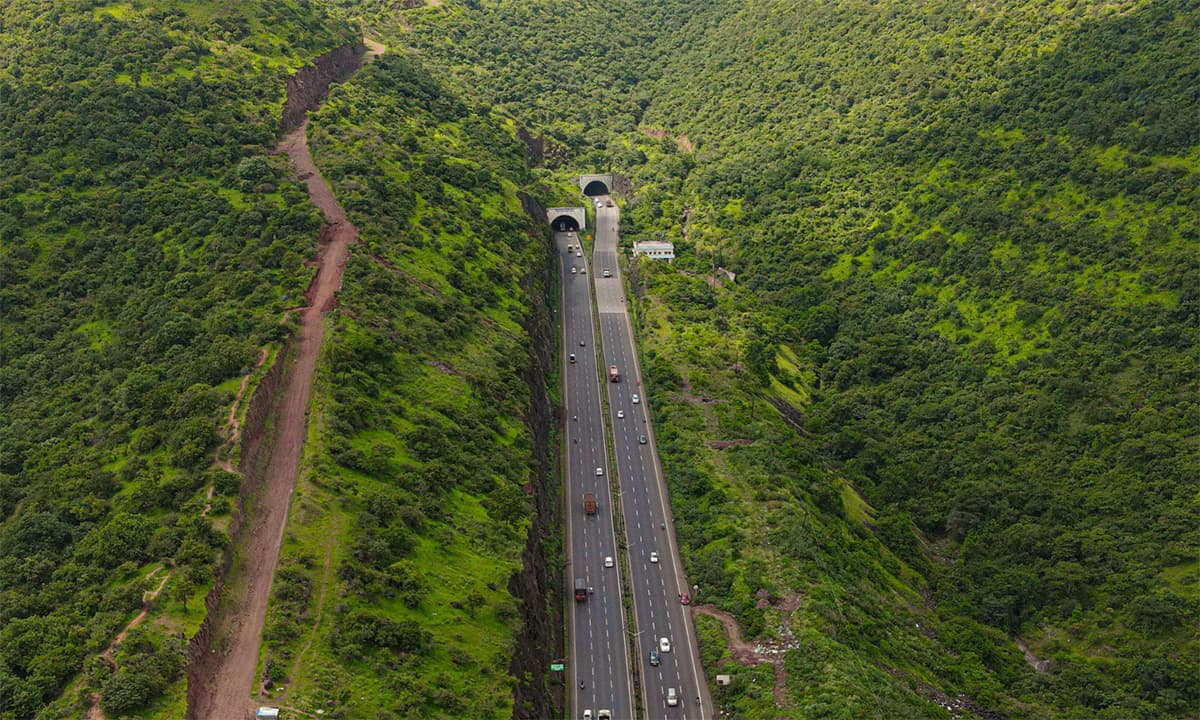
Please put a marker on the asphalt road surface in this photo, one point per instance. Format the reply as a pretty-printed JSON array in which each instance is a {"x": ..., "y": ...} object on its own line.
[
  {"x": 656, "y": 586},
  {"x": 598, "y": 665}
]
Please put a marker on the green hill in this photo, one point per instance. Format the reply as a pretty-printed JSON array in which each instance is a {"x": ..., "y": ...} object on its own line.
[{"x": 958, "y": 356}]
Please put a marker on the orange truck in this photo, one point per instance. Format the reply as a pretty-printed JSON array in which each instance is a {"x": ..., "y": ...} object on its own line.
[{"x": 589, "y": 503}]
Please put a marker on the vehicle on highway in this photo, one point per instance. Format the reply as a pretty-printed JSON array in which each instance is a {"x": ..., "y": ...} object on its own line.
[
  {"x": 579, "y": 254},
  {"x": 655, "y": 660},
  {"x": 604, "y": 715},
  {"x": 587, "y": 714},
  {"x": 664, "y": 645},
  {"x": 583, "y": 271},
  {"x": 636, "y": 399},
  {"x": 608, "y": 561},
  {"x": 574, "y": 270},
  {"x": 570, "y": 248},
  {"x": 581, "y": 590},
  {"x": 589, "y": 503},
  {"x": 614, "y": 375},
  {"x": 608, "y": 203},
  {"x": 608, "y": 273},
  {"x": 685, "y": 599},
  {"x": 620, "y": 414},
  {"x": 653, "y": 557},
  {"x": 572, "y": 358},
  {"x": 672, "y": 698},
  {"x": 641, "y": 438},
  {"x": 599, "y": 472},
  {"x": 582, "y": 343}
]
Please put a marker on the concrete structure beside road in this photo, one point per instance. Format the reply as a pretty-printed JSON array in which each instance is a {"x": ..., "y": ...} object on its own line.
[{"x": 656, "y": 249}]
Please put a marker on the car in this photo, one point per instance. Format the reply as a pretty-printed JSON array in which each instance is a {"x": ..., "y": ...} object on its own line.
[
  {"x": 607, "y": 273},
  {"x": 672, "y": 697},
  {"x": 653, "y": 557},
  {"x": 636, "y": 399},
  {"x": 587, "y": 714},
  {"x": 574, "y": 270},
  {"x": 642, "y": 439},
  {"x": 599, "y": 472},
  {"x": 685, "y": 599},
  {"x": 655, "y": 659},
  {"x": 570, "y": 248},
  {"x": 579, "y": 254},
  {"x": 608, "y": 561},
  {"x": 608, "y": 203},
  {"x": 620, "y": 414},
  {"x": 583, "y": 271},
  {"x": 582, "y": 343},
  {"x": 604, "y": 715},
  {"x": 664, "y": 645}
]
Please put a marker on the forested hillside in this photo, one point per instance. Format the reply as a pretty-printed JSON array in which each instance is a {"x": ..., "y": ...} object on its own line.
[
  {"x": 952, "y": 389},
  {"x": 149, "y": 247},
  {"x": 428, "y": 427}
]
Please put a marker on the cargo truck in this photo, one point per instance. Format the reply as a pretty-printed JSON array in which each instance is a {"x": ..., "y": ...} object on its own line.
[
  {"x": 613, "y": 374},
  {"x": 589, "y": 503},
  {"x": 580, "y": 590}
]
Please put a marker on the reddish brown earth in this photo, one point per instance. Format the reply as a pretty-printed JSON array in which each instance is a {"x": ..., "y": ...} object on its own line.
[
  {"x": 227, "y": 680},
  {"x": 749, "y": 654}
]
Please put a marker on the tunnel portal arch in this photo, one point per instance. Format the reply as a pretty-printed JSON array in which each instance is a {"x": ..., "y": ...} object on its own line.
[
  {"x": 562, "y": 219},
  {"x": 593, "y": 185}
]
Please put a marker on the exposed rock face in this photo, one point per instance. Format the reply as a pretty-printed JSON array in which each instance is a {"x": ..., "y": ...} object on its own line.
[
  {"x": 308, "y": 87},
  {"x": 537, "y": 585}
]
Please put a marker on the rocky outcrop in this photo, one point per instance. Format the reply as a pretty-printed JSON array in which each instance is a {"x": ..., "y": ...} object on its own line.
[
  {"x": 538, "y": 585},
  {"x": 309, "y": 86}
]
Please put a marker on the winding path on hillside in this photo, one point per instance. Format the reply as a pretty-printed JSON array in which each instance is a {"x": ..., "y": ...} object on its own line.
[{"x": 226, "y": 691}]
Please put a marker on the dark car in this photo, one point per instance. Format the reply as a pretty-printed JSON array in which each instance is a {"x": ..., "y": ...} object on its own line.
[
  {"x": 655, "y": 660},
  {"x": 642, "y": 439}
]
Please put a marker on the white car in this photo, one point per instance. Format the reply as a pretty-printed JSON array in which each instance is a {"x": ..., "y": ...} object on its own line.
[
  {"x": 599, "y": 472},
  {"x": 608, "y": 561},
  {"x": 579, "y": 254},
  {"x": 620, "y": 414},
  {"x": 636, "y": 399},
  {"x": 587, "y": 714},
  {"x": 604, "y": 715},
  {"x": 608, "y": 273},
  {"x": 574, "y": 270},
  {"x": 653, "y": 557},
  {"x": 664, "y": 645}
]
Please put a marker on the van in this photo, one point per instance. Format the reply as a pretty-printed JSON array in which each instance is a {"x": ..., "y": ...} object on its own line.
[{"x": 672, "y": 698}]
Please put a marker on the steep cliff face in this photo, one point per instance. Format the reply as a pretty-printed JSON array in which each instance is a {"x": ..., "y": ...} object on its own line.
[
  {"x": 539, "y": 584},
  {"x": 308, "y": 87}
]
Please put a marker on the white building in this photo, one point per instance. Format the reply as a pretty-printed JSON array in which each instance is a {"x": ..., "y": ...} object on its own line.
[{"x": 655, "y": 249}]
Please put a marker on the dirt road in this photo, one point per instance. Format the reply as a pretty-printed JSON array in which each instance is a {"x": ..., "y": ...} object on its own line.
[{"x": 226, "y": 692}]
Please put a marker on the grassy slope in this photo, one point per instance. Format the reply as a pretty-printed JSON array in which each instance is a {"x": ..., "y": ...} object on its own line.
[
  {"x": 148, "y": 249},
  {"x": 412, "y": 495}
]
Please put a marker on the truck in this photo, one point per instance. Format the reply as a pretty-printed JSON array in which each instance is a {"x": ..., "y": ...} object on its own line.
[
  {"x": 613, "y": 374},
  {"x": 581, "y": 590},
  {"x": 589, "y": 503}
]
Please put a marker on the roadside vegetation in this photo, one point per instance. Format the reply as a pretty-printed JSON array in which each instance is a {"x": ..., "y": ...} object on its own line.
[
  {"x": 947, "y": 405},
  {"x": 148, "y": 247},
  {"x": 412, "y": 515}
]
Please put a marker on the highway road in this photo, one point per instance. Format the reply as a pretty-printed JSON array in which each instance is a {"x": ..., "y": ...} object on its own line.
[
  {"x": 598, "y": 665},
  {"x": 656, "y": 586}
]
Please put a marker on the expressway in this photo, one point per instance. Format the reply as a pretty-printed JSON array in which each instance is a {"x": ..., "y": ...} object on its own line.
[
  {"x": 598, "y": 666},
  {"x": 656, "y": 586}
]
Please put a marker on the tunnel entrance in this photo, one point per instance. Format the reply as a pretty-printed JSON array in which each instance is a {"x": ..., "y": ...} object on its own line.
[
  {"x": 563, "y": 223},
  {"x": 595, "y": 188}
]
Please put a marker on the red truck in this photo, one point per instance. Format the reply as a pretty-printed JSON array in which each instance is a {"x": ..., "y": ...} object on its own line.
[
  {"x": 613, "y": 374},
  {"x": 589, "y": 503},
  {"x": 581, "y": 590}
]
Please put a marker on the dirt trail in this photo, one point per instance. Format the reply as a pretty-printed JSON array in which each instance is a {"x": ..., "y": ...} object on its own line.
[
  {"x": 95, "y": 712},
  {"x": 748, "y": 654},
  {"x": 226, "y": 693},
  {"x": 233, "y": 427}
]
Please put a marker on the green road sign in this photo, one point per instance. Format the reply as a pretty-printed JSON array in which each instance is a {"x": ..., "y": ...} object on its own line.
[{"x": 557, "y": 667}]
